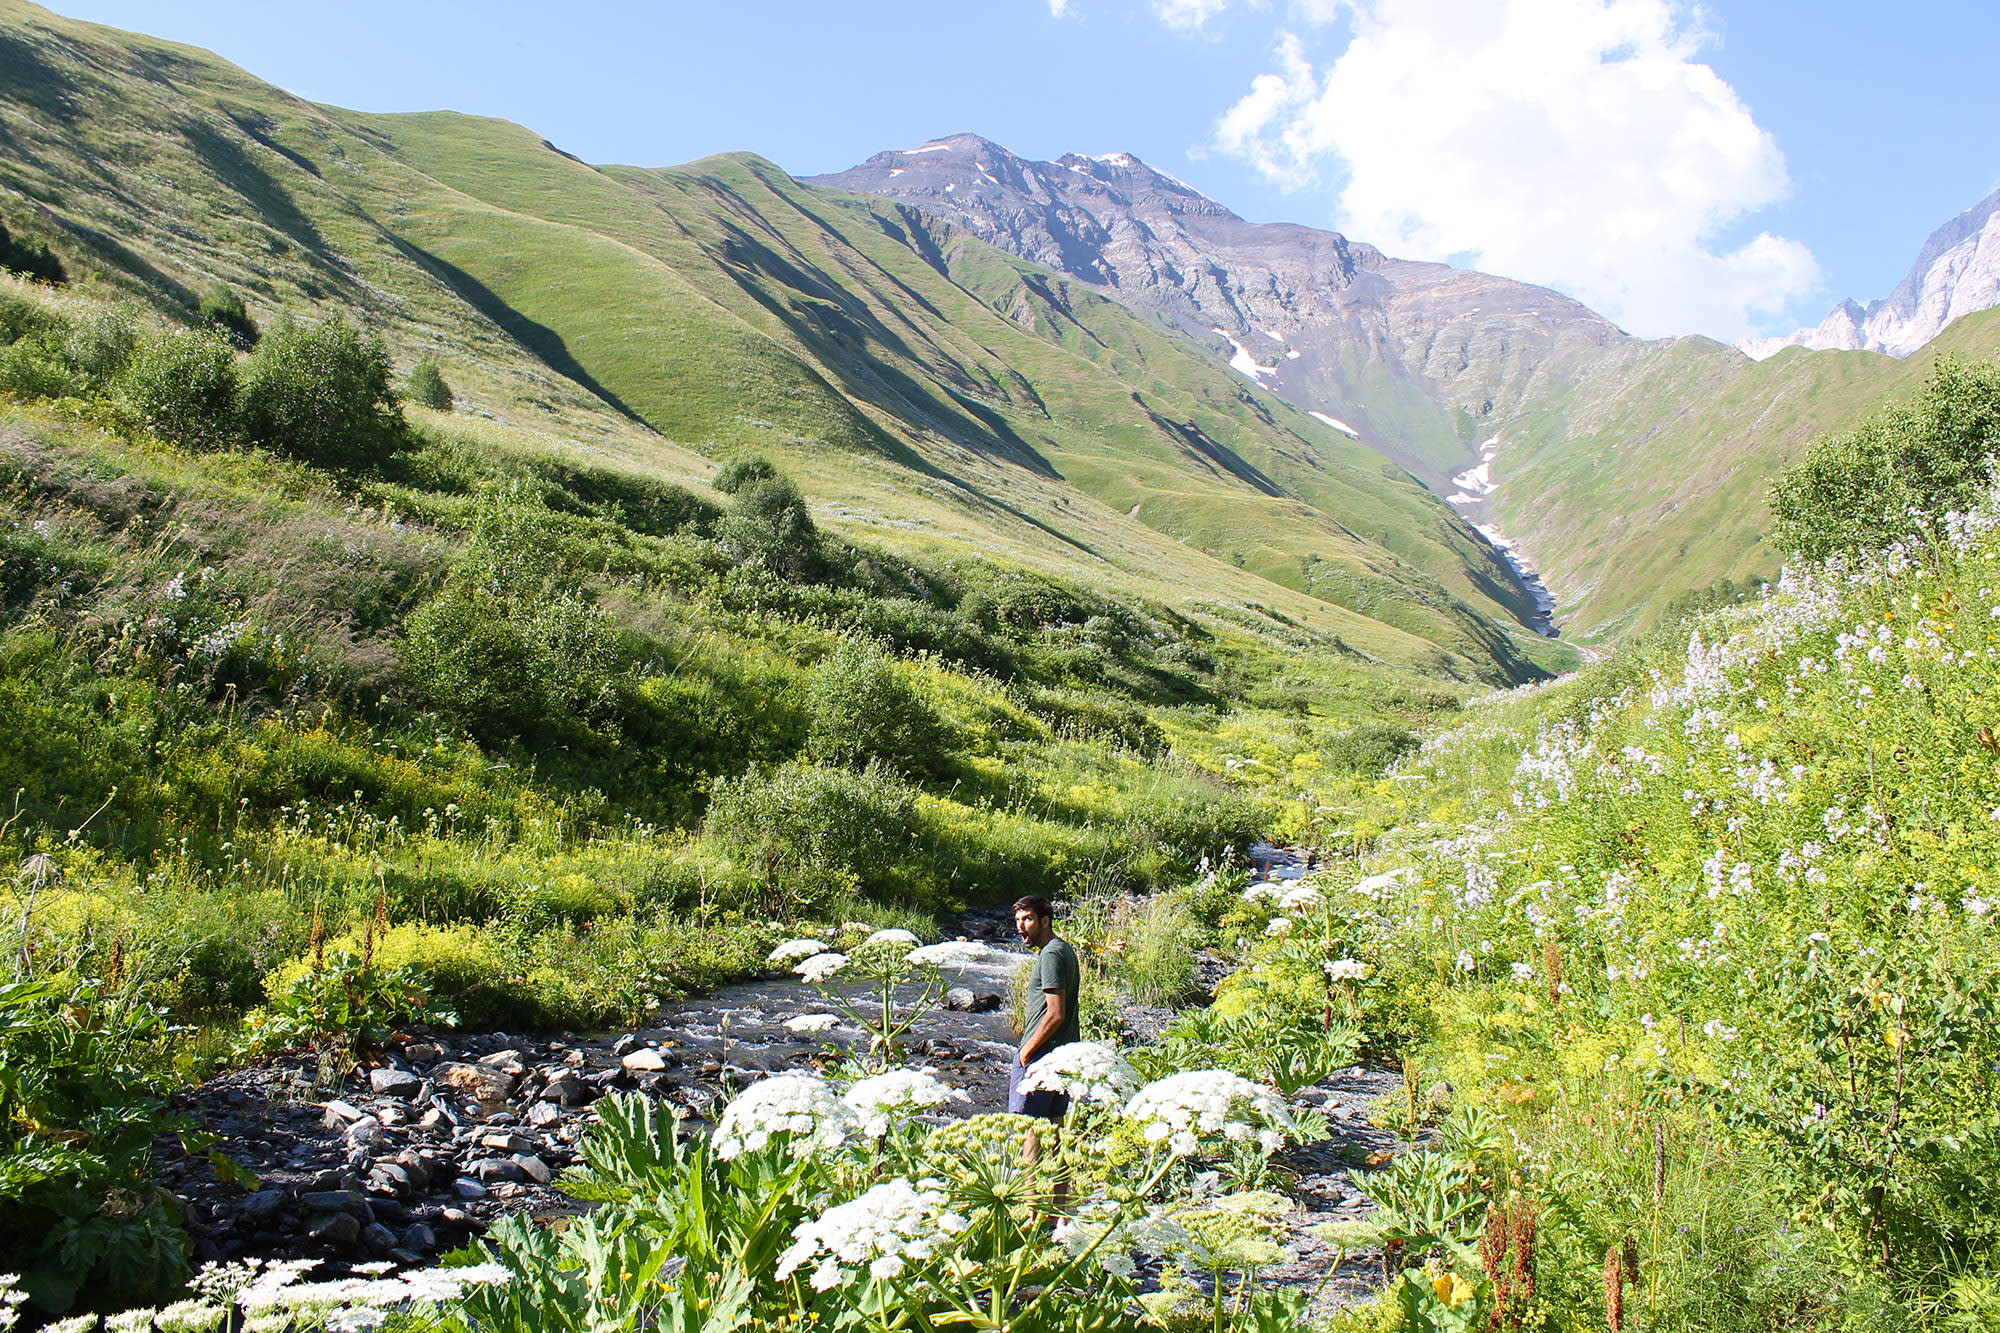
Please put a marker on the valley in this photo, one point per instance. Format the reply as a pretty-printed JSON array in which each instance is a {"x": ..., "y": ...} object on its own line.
[{"x": 535, "y": 693}]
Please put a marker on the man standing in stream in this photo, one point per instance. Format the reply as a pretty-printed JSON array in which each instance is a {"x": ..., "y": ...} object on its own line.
[{"x": 1051, "y": 1020}]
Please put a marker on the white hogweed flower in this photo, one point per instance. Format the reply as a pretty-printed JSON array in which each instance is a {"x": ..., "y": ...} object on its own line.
[
  {"x": 1084, "y": 1071},
  {"x": 821, "y": 966},
  {"x": 1181, "y": 1108},
  {"x": 798, "y": 1106},
  {"x": 883, "y": 1231},
  {"x": 1346, "y": 969},
  {"x": 795, "y": 951},
  {"x": 876, "y": 1101},
  {"x": 1299, "y": 897},
  {"x": 1278, "y": 926},
  {"x": 952, "y": 953},
  {"x": 892, "y": 935}
]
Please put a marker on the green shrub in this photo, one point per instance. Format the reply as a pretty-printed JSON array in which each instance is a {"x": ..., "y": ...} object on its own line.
[
  {"x": 223, "y": 310},
  {"x": 427, "y": 388},
  {"x": 813, "y": 834},
  {"x": 739, "y": 472},
  {"x": 101, "y": 344},
  {"x": 181, "y": 386},
  {"x": 861, "y": 708},
  {"x": 1368, "y": 748},
  {"x": 1899, "y": 472},
  {"x": 523, "y": 665},
  {"x": 768, "y": 524},
  {"x": 321, "y": 392},
  {"x": 81, "y": 1219},
  {"x": 23, "y": 316},
  {"x": 34, "y": 368}
]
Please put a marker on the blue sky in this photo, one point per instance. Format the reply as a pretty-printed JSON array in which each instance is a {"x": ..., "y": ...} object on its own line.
[{"x": 1631, "y": 152}]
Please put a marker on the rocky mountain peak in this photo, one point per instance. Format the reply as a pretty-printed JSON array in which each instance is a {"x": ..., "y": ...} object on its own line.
[
  {"x": 1334, "y": 325},
  {"x": 1956, "y": 273}
]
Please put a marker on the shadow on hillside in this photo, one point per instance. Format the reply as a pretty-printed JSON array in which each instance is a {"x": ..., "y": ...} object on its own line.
[{"x": 543, "y": 341}]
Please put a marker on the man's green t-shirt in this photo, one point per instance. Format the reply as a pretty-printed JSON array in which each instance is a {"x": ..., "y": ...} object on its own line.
[{"x": 1055, "y": 968}]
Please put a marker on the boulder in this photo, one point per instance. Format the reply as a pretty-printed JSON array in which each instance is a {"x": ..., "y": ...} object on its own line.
[
  {"x": 644, "y": 1060},
  {"x": 377, "y": 1239},
  {"x": 486, "y": 1083},
  {"x": 533, "y": 1167},
  {"x": 398, "y": 1083},
  {"x": 341, "y": 1229}
]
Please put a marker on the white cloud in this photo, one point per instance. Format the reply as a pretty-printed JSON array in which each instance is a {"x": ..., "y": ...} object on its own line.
[
  {"x": 1059, "y": 9},
  {"x": 1188, "y": 15},
  {"x": 1576, "y": 143}
]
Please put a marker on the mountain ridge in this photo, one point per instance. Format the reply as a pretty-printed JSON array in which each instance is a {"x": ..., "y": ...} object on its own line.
[{"x": 1956, "y": 273}]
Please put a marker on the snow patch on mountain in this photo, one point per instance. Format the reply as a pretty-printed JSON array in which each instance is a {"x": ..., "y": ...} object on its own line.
[
  {"x": 1336, "y": 423},
  {"x": 1244, "y": 363}
]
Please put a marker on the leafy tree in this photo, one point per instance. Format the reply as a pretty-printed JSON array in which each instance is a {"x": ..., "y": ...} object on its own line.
[
  {"x": 321, "y": 392},
  {"x": 181, "y": 386},
  {"x": 1899, "y": 472},
  {"x": 426, "y": 386},
  {"x": 224, "y": 311},
  {"x": 862, "y": 708}
]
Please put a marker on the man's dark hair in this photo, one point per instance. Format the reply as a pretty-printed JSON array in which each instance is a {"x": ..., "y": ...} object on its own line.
[{"x": 1037, "y": 906}]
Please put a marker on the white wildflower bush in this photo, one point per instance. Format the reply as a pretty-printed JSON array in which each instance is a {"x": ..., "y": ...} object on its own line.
[{"x": 1717, "y": 940}]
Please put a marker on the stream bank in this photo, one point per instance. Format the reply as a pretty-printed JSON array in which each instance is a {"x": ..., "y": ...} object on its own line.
[{"x": 451, "y": 1131}]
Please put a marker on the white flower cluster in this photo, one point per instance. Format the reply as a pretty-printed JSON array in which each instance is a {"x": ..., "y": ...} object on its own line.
[
  {"x": 1346, "y": 969},
  {"x": 883, "y": 1230},
  {"x": 1085, "y": 1071},
  {"x": 795, "y": 951},
  {"x": 892, "y": 935},
  {"x": 1154, "y": 1232},
  {"x": 952, "y": 953},
  {"x": 1178, "y": 1109},
  {"x": 1300, "y": 897},
  {"x": 813, "y": 1022},
  {"x": 1278, "y": 927},
  {"x": 821, "y": 966},
  {"x": 270, "y": 1296},
  {"x": 876, "y": 1101},
  {"x": 798, "y": 1106}
]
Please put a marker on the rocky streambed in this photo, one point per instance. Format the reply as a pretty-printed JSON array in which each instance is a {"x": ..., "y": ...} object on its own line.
[{"x": 448, "y": 1132}]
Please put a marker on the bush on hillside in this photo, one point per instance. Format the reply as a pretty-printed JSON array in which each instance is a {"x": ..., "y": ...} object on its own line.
[
  {"x": 23, "y": 317},
  {"x": 181, "y": 386},
  {"x": 320, "y": 392},
  {"x": 1368, "y": 748},
  {"x": 862, "y": 708},
  {"x": 426, "y": 387},
  {"x": 768, "y": 524},
  {"x": 100, "y": 345},
  {"x": 34, "y": 368},
  {"x": 223, "y": 310},
  {"x": 1899, "y": 472},
  {"x": 813, "y": 835},
  {"x": 739, "y": 472},
  {"x": 505, "y": 666}
]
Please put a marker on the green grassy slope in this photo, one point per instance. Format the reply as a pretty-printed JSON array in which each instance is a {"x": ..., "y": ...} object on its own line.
[
  {"x": 1645, "y": 475},
  {"x": 665, "y": 318}
]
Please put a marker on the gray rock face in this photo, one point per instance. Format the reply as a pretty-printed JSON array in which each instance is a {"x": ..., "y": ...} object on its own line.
[
  {"x": 1309, "y": 314},
  {"x": 1957, "y": 273}
]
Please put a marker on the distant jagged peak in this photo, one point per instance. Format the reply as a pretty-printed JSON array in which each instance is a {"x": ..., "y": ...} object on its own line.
[
  {"x": 1956, "y": 273},
  {"x": 958, "y": 163}
]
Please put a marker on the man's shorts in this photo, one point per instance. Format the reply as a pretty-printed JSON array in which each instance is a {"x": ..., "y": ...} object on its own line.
[{"x": 1047, "y": 1105}]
